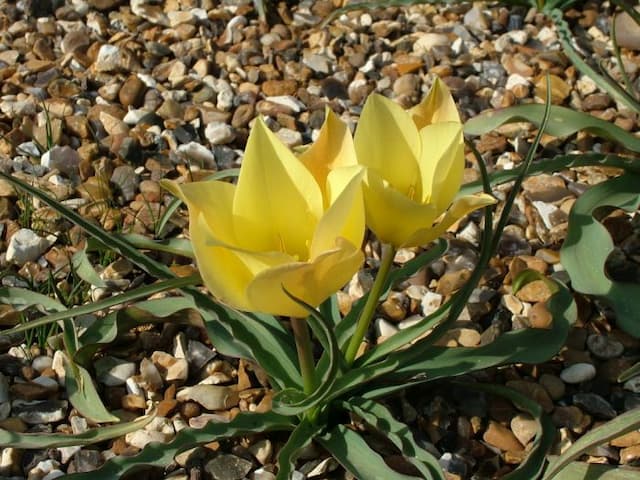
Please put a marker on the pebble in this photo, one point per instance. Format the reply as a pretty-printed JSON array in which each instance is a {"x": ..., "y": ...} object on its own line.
[
  {"x": 112, "y": 371},
  {"x": 199, "y": 154},
  {"x": 595, "y": 405},
  {"x": 604, "y": 347},
  {"x": 524, "y": 427},
  {"x": 578, "y": 373},
  {"x": 211, "y": 397},
  {"x": 38, "y": 412},
  {"x": 228, "y": 467},
  {"x": 502, "y": 438},
  {"x": 218, "y": 133},
  {"x": 633, "y": 384},
  {"x": 26, "y": 245}
]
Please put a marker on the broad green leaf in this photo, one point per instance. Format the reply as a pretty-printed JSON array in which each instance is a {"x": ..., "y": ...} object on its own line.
[
  {"x": 84, "y": 269},
  {"x": 560, "y": 162},
  {"x": 300, "y": 438},
  {"x": 534, "y": 463},
  {"x": 175, "y": 246},
  {"x": 620, "y": 425},
  {"x": 589, "y": 239},
  {"x": 250, "y": 335},
  {"x": 418, "y": 363},
  {"x": 595, "y": 471},
  {"x": 42, "y": 441},
  {"x": 380, "y": 418},
  {"x": 563, "y": 122},
  {"x": 83, "y": 395},
  {"x": 162, "y": 454},
  {"x": 21, "y": 298},
  {"x": 353, "y": 453}
]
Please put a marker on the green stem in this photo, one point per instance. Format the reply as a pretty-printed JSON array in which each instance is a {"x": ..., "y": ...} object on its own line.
[
  {"x": 388, "y": 253},
  {"x": 305, "y": 353}
]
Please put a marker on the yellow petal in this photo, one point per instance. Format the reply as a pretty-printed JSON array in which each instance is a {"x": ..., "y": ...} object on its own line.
[
  {"x": 441, "y": 163},
  {"x": 277, "y": 201},
  {"x": 345, "y": 216},
  {"x": 392, "y": 216},
  {"x": 312, "y": 282},
  {"x": 460, "y": 208},
  {"x": 437, "y": 106},
  {"x": 388, "y": 142},
  {"x": 332, "y": 150},
  {"x": 214, "y": 199}
]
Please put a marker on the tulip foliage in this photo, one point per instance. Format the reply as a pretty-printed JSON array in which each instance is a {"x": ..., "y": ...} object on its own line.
[{"x": 273, "y": 249}]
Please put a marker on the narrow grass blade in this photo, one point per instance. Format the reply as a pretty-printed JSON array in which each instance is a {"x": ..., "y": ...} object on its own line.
[
  {"x": 21, "y": 298},
  {"x": 353, "y": 453},
  {"x": 175, "y": 246},
  {"x": 42, "y": 441},
  {"x": 162, "y": 454},
  {"x": 129, "y": 296},
  {"x": 595, "y": 471},
  {"x": 620, "y": 425},
  {"x": 381, "y": 419}
]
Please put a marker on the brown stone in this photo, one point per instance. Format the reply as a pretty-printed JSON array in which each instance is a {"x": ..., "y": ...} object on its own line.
[
  {"x": 452, "y": 281},
  {"x": 273, "y": 88},
  {"x": 166, "y": 407},
  {"x": 630, "y": 454},
  {"x": 535, "y": 392},
  {"x": 132, "y": 92},
  {"x": 627, "y": 440},
  {"x": 536, "y": 291},
  {"x": 539, "y": 316},
  {"x": 501, "y": 437},
  {"x": 133, "y": 402}
]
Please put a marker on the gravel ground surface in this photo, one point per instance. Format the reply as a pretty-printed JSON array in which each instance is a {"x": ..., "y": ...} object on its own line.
[{"x": 139, "y": 91}]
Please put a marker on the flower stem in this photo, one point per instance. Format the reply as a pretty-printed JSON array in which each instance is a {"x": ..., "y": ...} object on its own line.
[
  {"x": 305, "y": 353},
  {"x": 388, "y": 253}
]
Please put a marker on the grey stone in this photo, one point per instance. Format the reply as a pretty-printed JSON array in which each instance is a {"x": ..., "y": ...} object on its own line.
[
  {"x": 604, "y": 347},
  {"x": 595, "y": 405},
  {"x": 219, "y": 133},
  {"x": 228, "y": 467},
  {"x": 578, "y": 373},
  {"x": 126, "y": 179},
  {"x": 38, "y": 412},
  {"x": 112, "y": 371},
  {"x": 64, "y": 159}
]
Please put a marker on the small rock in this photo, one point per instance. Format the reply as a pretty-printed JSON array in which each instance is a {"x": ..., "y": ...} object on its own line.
[
  {"x": 578, "y": 373},
  {"x": 26, "y": 246},
  {"x": 595, "y": 405},
  {"x": 112, "y": 371},
  {"x": 534, "y": 391},
  {"x": 108, "y": 60},
  {"x": 199, "y": 154},
  {"x": 554, "y": 385},
  {"x": 64, "y": 159},
  {"x": 627, "y": 32},
  {"x": 604, "y": 347},
  {"x": 524, "y": 427},
  {"x": 126, "y": 179},
  {"x": 501, "y": 438},
  {"x": 219, "y": 133},
  {"x": 228, "y": 467},
  {"x": 39, "y": 412},
  {"x": 211, "y": 397},
  {"x": 141, "y": 438}
]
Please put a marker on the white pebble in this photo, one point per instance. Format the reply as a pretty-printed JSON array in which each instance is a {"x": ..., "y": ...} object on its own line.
[{"x": 578, "y": 373}]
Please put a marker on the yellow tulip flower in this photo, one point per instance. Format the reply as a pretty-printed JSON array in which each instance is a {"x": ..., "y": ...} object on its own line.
[
  {"x": 414, "y": 164},
  {"x": 294, "y": 223}
]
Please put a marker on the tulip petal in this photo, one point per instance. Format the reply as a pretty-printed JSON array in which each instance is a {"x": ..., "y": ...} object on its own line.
[
  {"x": 345, "y": 216},
  {"x": 460, "y": 208},
  {"x": 388, "y": 142},
  {"x": 332, "y": 150},
  {"x": 392, "y": 216},
  {"x": 214, "y": 200},
  {"x": 437, "y": 106},
  {"x": 313, "y": 282},
  {"x": 277, "y": 201},
  {"x": 442, "y": 163}
]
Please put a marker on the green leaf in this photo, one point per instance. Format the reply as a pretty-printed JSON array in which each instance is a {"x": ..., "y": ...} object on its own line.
[
  {"x": 104, "y": 304},
  {"x": 300, "y": 438},
  {"x": 21, "y": 298},
  {"x": 162, "y": 454},
  {"x": 532, "y": 466},
  {"x": 548, "y": 165},
  {"x": 594, "y": 471},
  {"x": 589, "y": 239},
  {"x": 353, "y": 453},
  {"x": 418, "y": 364},
  {"x": 620, "y": 425},
  {"x": 41, "y": 441},
  {"x": 175, "y": 246},
  {"x": 83, "y": 267},
  {"x": 250, "y": 335},
  {"x": 381, "y": 419},
  {"x": 83, "y": 395},
  {"x": 562, "y": 123}
]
